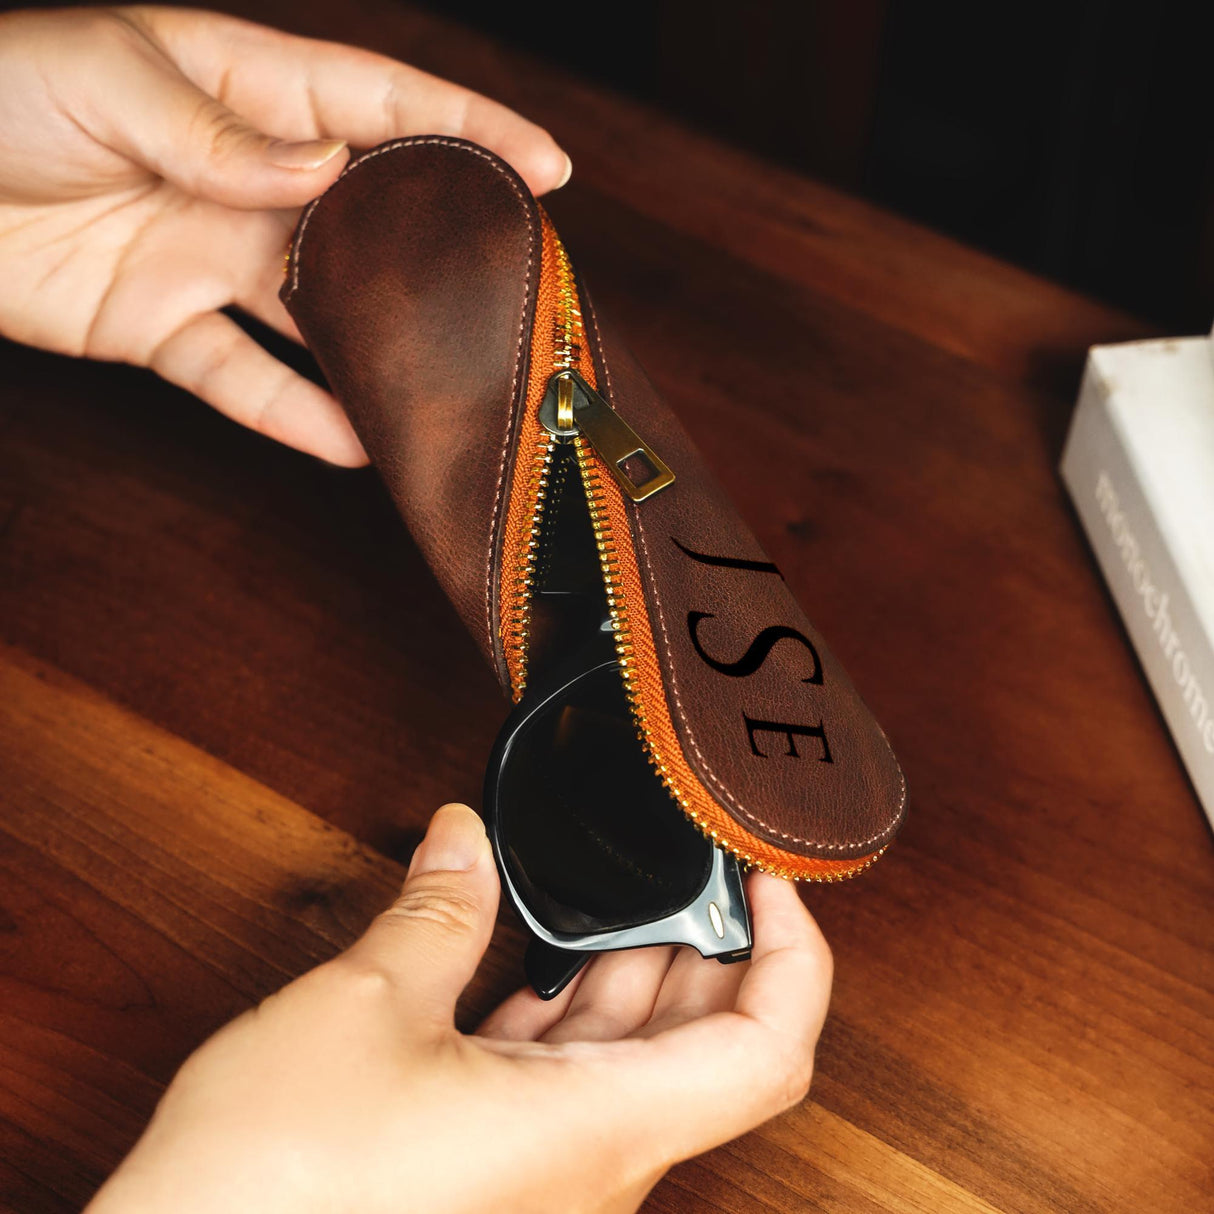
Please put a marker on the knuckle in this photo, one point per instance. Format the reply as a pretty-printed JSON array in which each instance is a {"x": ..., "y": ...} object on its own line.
[
  {"x": 264, "y": 411},
  {"x": 216, "y": 129},
  {"x": 795, "y": 1076},
  {"x": 594, "y": 1024},
  {"x": 801, "y": 1081},
  {"x": 446, "y": 906},
  {"x": 110, "y": 23},
  {"x": 825, "y": 958},
  {"x": 121, "y": 30},
  {"x": 392, "y": 99},
  {"x": 355, "y": 980}
]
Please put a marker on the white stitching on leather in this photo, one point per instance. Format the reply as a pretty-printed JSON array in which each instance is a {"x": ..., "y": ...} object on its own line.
[
  {"x": 411, "y": 141},
  {"x": 499, "y": 493},
  {"x": 424, "y": 140},
  {"x": 706, "y": 767}
]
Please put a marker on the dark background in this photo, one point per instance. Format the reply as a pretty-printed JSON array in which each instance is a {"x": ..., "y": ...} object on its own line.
[{"x": 1072, "y": 138}]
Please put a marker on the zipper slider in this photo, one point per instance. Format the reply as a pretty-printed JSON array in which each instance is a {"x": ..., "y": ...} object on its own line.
[{"x": 571, "y": 406}]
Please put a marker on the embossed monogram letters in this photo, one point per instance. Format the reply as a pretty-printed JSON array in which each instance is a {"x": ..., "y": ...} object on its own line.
[{"x": 757, "y": 652}]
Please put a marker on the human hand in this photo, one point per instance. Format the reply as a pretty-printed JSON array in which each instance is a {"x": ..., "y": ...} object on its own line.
[
  {"x": 351, "y": 1089},
  {"x": 152, "y": 164}
]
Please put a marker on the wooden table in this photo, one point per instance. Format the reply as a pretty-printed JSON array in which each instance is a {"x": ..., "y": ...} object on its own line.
[{"x": 231, "y": 694}]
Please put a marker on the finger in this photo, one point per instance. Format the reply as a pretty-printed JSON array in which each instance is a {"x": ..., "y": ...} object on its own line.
[
  {"x": 712, "y": 1078},
  {"x": 301, "y": 88},
  {"x": 695, "y": 986},
  {"x": 432, "y": 938},
  {"x": 145, "y": 107},
  {"x": 524, "y": 1016},
  {"x": 266, "y": 306},
  {"x": 424, "y": 104},
  {"x": 787, "y": 986},
  {"x": 257, "y": 288},
  {"x": 211, "y": 356},
  {"x": 615, "y": 997}
]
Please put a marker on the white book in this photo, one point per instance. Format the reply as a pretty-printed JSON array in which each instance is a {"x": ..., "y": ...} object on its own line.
[{"x": 1139, "y": 464}]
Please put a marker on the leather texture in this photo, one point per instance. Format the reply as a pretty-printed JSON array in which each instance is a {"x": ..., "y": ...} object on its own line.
[
  {"x": 413, "y": 280},
  {"x": 743, "y": 667}
]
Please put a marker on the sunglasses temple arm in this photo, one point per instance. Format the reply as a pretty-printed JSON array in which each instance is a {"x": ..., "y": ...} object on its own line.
[{"x": 550, "y": 969}]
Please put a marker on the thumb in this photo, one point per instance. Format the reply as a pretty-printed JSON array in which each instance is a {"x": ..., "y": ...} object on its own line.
[
  {"x": 159, "y": 118},
  {"x": 430, "y": 941}
]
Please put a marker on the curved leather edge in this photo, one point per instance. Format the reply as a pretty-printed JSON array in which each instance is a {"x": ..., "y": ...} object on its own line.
[{"x": 379, "y": 278}]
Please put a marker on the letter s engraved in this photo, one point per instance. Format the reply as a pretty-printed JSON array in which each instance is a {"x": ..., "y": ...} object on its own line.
[{"x": 759, "y": 649}]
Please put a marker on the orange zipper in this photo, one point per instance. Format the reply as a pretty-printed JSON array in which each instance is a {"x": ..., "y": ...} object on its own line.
[
  {"x": 559, "y": 352},
  {"x": 557, "y": 344}
]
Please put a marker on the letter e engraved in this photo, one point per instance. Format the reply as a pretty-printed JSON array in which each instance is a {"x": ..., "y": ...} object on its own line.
[
  {"x": 759, "y": 649},
  {"x": 791, "y": 732}
]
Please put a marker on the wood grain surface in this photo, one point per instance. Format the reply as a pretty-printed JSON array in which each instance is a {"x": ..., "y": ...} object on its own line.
[{"x": 231, "y": 695}]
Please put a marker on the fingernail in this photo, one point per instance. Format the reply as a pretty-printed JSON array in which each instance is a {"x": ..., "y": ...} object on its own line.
[
  {"x": 307, "y": 154},
  {"x": 455, "y": 842},
  {"x": 567, "y": 174}
]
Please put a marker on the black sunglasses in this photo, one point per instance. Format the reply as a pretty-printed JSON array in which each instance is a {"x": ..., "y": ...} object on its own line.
[{"x": 594, "y": 853}]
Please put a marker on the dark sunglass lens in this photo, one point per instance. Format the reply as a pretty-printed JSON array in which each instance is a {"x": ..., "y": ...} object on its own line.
[{"x": 592, "y": 839}]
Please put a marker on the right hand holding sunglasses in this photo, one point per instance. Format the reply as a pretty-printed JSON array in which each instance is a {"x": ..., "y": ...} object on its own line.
[{"x": 351, "y": 1089}]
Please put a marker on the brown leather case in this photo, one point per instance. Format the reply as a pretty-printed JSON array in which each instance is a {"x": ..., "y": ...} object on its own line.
[{"x": 440, "y": 303}]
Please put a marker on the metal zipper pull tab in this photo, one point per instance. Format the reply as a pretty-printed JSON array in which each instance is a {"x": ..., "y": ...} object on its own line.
[{"x": 571, "y": 406}]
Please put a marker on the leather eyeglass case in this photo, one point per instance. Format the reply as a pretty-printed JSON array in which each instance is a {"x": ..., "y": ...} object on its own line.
[{"x": 574, "y": 525}]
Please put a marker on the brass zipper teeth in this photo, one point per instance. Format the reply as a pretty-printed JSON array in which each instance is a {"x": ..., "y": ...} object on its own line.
[
  {"x": 604, "y": 542},
  {"x": 518, "y": 628},
  {"x": 569, "y": 329},
  {"x": 567, "y": 335}
]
